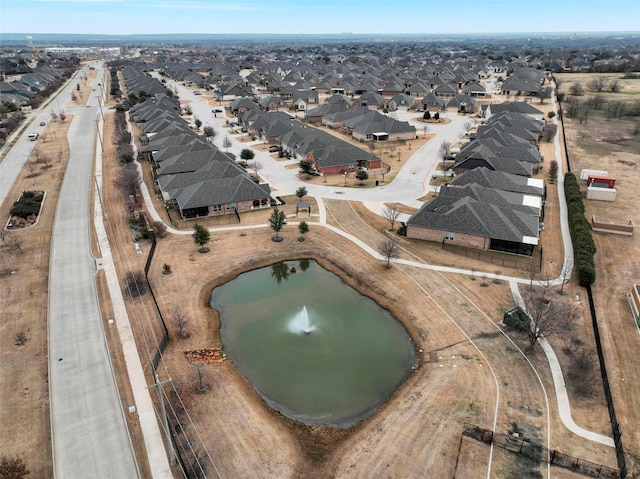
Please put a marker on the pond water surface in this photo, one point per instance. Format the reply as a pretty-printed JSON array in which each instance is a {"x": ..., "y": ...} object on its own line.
[{"x": 312, "y": 347}]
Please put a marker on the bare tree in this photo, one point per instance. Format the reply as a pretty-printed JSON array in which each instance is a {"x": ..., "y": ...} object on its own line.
[
  {"x": 544, "y": 316},
  {"x": 127, "y": 179},
  {"x": 134, "y": 283},
  {"x": 550, "y": 132},
  {"x": 30, "y": 166},
  {"x": 256, "y": 166},
  {"x": 445, "y": 149},
  {"x": 391, "y": 213},
  {"x": 576, "y": 89},
  {"x": 179, "y": 318},
  {"x": 597, "y": 84},
  {"x": 227, "y": 143},
  {"x": 62, "y": 116},
  {"x": 12, "y": 240},
  {"x": 198, "y": 369},
  {"x": 467, "y": 126},
  {"x": 159, "y": 229},
  {"x": 389, "y": 249},
  {"x": 614, "y": 86},
  {"x": 41, "y": 158},
  {"x": 553, "y": 171}
]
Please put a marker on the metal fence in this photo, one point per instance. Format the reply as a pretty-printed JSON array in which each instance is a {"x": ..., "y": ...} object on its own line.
[
  {"x": 165, "y": 336},
  {"x": 533, "y": 450},
  {"x": 525, "y": 263}
]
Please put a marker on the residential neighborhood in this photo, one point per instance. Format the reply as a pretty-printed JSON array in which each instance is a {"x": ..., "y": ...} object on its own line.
[{"x": 478, "y": 192}]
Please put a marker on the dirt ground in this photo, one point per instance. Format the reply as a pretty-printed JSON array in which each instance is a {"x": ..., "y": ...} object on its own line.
[{"x": 465, "y": 362}]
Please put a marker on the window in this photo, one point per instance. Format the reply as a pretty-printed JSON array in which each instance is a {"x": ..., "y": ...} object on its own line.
[
  {"x": 217, "y": 208},
  {"x": 449, "y": 236},
  {"x": 231, "y": 206}
]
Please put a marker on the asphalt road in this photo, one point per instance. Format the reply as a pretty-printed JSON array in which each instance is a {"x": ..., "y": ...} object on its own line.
[{"x": 89, "y": 432}]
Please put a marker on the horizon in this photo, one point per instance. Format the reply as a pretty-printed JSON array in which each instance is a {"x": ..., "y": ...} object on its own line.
[{"x": 314, "y": 17}]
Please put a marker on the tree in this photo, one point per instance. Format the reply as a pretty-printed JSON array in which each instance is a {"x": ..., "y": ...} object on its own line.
[
  {"x": 62, "y": 116},
  {"x": 13, "y": 468},
  {"x": 30, "y": 166},
  {"x": 198, "y": 122},
  {"x": 201, "y": 237},
  {"x": 306, "y": 167},
  {"x": 41, "y": 157},
  {"x": 303, "y": 229},
  {"x": 127, "y": 179},
  {"x": 444, "y": 150},
  {"x": 247, "y": 154},
  {"x": 576, "y": 89},
  {"x": 550, "y": 132},
  {"x": 179, "y": 318},
  {"x": 436, "y": 116},
  {"x": 597, "y": 84},
  {"x": 198, "y": 369},
  {"x": 614, "y": 86},
  {"x": 551, "y": 115},
  {"x": 301, "y": 192},
  {"x": 209, "y": 133},
  {"x": 159, "y": 229},
  {"x": 553, "y": 171},
  {"x": 427, "y": 115},
  {"x": 134, "y": 283},
  {"x": 255, "y": 166},
  {"x": 277, "y": 220},
  {"x": 389, "y": 249},
  {"x": 226, "y": 143},
  {"x": 12, "y": 240},
  {"x": 391, "y": 213},
  {"x": 362, "y": 176},
  {"x": 467, "y": 126},
  {"x": 543, "y": 316}
]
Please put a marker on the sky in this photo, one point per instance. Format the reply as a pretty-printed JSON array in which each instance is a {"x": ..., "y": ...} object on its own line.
[{"x": 317, "y": 16}]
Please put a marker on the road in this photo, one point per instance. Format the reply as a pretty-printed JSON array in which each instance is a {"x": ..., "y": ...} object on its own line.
[{"x": 89, "y": 432}]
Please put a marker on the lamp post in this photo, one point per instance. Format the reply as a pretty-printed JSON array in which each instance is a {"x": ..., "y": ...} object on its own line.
[
  {"x": 345, "y": 177},
  {"x": 100, "y": 105}
]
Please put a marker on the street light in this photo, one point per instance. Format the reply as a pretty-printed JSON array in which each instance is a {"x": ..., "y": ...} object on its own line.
[
  {"x": 345, "y": 177},
  {"x": 100, "y": 105}
]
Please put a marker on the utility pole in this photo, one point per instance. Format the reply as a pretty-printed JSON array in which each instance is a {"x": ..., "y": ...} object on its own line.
[{"x": 165, "y": 423}]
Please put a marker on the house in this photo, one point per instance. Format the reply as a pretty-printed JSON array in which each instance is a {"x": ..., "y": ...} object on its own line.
[
  {"x": 521, "y": 107},
  {"x": 303, "y": 100},
  {"x": 500, "y": 180},
  {"x": 400, "y": 102},
  {"x": 372, "y": 100},
  {"x": 465, "y": 221}
]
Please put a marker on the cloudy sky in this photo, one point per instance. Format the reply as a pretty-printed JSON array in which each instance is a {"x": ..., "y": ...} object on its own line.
[{"x": 317, "y": 16}]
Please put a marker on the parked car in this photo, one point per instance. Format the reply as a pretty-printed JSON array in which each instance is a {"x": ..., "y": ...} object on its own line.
[
  {"x": 274, "y": 148},
  {"x": 42, "y": 123},
  {"x": 216, "y": 110}
]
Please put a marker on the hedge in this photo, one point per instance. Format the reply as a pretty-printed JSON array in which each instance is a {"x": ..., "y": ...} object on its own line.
[{"x": 583, "y": 245}]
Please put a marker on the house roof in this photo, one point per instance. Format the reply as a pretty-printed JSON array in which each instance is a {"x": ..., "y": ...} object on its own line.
[
  {"x": 500, "y": 180},
  {"x": 221, "y": 191},
  {"x": 469, "y": 216}
]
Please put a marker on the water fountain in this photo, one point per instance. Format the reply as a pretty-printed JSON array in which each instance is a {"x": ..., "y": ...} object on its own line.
[{"x": 301, "y": 323}]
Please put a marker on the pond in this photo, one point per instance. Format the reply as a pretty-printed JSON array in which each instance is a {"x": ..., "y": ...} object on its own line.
[{"x": 312, "y": 347}]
